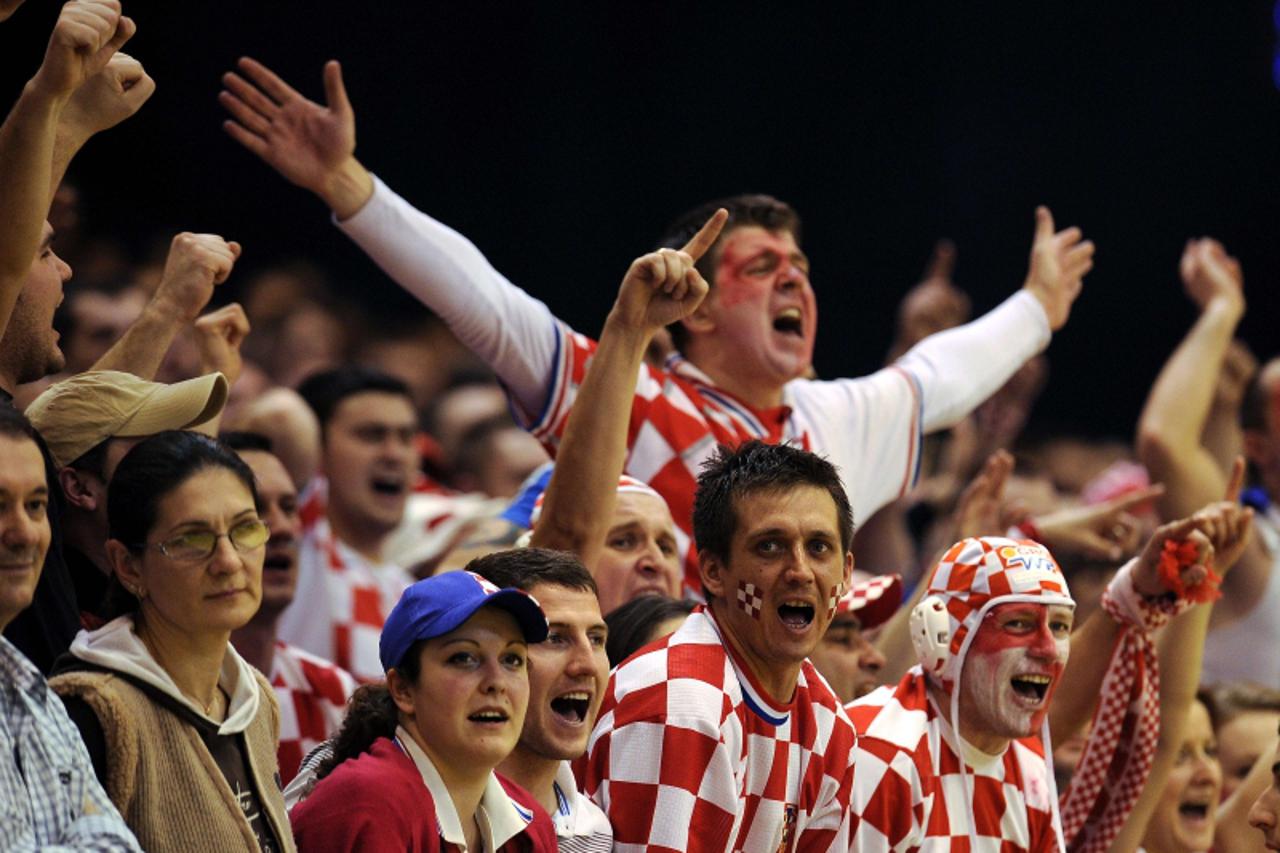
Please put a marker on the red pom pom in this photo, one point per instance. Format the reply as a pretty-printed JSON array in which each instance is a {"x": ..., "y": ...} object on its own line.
[{"x": 1178, "y": 555}]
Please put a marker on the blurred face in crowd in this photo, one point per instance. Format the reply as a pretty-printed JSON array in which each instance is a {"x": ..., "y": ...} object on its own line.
[
  {"x": 459, "y": 409},
  {"x": 773, "y": 593},
  {"x": 1262, "y": 446},
  {"x": 278, "y": 507},
  {"x": 24, "y": 523},
  {"x": 1010, "y": 672},
  {"x": 467, "y": 708},
  {"x": 1184, "y": 819},
  {"x": 1264, "y": 815},
  {"x": 198, "y": 595},
  {"x": 762, "y": 305},
  {"x": 847, "y": 659},
  {"x": 639, "y": 556},
  {"x": 371, "y": 462},
  {"x": 567, "y": 673},
  {"x": 1241, "y": 742},
  {"x": 512, "y": 455},
  {"x": 98, "y": 320},
  {"x": 29, "y": 349}
]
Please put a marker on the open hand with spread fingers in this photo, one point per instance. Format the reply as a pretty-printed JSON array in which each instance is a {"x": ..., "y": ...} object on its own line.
[{"x": 311, "y": 145}]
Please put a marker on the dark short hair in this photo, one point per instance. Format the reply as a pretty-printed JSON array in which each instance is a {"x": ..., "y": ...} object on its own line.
[
  {"x": 631, "y": 624},
  {"x": 754, "y": 466},
  {"x": 525, "y": 568},
  {"x": 239, "y": 440},
  {"x": 14, "y": 424},
  {"x": 323, "y": 391},
  {"x": 747, "y": 209}
]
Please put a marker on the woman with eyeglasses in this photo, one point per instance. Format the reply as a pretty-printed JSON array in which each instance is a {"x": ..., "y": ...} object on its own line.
[{"x": 181, "y": 730}]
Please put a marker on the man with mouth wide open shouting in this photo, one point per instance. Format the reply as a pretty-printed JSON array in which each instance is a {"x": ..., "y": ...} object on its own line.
[
  {"x": 744, "y": 353},
  {"x": 723, "y": 736},
  {"x": 993, "y": 635}
]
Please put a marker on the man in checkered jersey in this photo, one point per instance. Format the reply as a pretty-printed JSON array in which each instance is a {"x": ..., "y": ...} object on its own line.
[
  {"x": 312, "y": 692},
  {"x": 993, "y": 634},
  {"x": 723, "y": 736},
  {"x": 744, "y": 352}
]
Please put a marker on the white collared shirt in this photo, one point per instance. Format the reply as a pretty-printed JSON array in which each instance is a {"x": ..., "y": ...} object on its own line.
[
  {"x": 581, "y": 827},
  {"x": 499, "y": 817}
]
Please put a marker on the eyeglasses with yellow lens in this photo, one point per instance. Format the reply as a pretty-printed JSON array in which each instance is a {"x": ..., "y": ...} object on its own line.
[{"x": 200, "y": 544}]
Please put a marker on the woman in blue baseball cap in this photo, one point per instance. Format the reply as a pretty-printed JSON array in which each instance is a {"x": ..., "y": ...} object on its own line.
[{"x": 412, "y": 767}]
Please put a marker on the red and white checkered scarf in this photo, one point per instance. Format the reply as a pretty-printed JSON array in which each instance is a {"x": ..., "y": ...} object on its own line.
[{"x": 1126, "y": 725}]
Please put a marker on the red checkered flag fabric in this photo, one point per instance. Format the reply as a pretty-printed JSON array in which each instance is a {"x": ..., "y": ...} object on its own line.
[
  {"x": 312, "y": 694},
  {"x": 910, "y": 792},
  {"x": 690, "y": 754},
  {"x": 1126, "y": 725}
]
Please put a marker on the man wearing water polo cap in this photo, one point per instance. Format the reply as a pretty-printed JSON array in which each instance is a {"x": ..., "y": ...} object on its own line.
[{"x": 992, "y": 635}]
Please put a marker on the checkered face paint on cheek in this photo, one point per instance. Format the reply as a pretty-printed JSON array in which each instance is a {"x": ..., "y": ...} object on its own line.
[
  {"x": 833, "y": 599},
  {"x": 749, "y": 599}
]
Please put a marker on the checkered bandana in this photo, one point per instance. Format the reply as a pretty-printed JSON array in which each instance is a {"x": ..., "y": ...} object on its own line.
[
  {"x": 874, "y": 600},
  {"x": 625, "y": 484}
]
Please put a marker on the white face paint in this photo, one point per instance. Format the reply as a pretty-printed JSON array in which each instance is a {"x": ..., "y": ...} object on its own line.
[{"x": 1010, "y": 672}]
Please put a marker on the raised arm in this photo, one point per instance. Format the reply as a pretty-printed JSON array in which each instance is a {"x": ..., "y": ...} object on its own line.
[
  {"x": 195, "y": 265},
  {"x": 959, "y": 368},
  {"x": 313, "y": 146},
  {"x": 86, "y": 36},
  {"x": 659, "y": 288},
  {"x": 1220, "y": 532},
  {"x": 1173, "y": 420}
]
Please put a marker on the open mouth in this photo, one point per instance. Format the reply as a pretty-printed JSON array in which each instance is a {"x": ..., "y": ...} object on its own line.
[
  {"x": 1194, "y": 811},
  {"x": 488, "y": 717},
  {"x": 789, "y": 322},
  {"x": 278, "y": 562},
  {"x": 572, "y": 707},
  {"x": 796, "y": 615},
  {"x": 389, "y": 486},
  {"x": 1032, "y": 687}
]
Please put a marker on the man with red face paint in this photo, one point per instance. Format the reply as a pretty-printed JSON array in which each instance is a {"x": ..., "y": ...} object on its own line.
[
  {"x": 956, "y": 755},
  {"x": 745, "y": 350}
]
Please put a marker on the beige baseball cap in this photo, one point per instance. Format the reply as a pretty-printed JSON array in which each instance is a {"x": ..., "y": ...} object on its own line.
[{"x": 77, "y": 414}]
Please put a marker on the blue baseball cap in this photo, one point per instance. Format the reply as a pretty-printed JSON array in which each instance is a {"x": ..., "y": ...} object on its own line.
[{"x": 437, "y": 605}]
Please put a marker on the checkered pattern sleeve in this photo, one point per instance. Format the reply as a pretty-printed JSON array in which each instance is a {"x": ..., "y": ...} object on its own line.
[
  {"x": 312, "y": 694},
  {"x": 668, "y": 782}
]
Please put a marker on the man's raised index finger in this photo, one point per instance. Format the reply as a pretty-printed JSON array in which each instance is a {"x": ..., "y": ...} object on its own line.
[{"x": 707, "y": 235}]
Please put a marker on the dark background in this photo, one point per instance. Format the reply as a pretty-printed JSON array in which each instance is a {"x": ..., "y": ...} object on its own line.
[{"x": 563, "y": 137}]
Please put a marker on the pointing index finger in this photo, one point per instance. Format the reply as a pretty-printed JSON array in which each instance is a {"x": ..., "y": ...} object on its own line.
[{"x": 707, "y": 235}]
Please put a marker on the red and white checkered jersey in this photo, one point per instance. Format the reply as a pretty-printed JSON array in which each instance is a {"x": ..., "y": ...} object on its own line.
[
  {"x": 312, "y": 694},
  {"x": 341, "y": 602},
  {"x": 909, "y": 794},
  {"x": 690, "y": 754},
  {"x": 868, "y": 428}
]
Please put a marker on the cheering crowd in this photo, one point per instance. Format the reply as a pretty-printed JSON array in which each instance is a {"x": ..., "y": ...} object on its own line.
[{"x": 271, "y": 579}]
